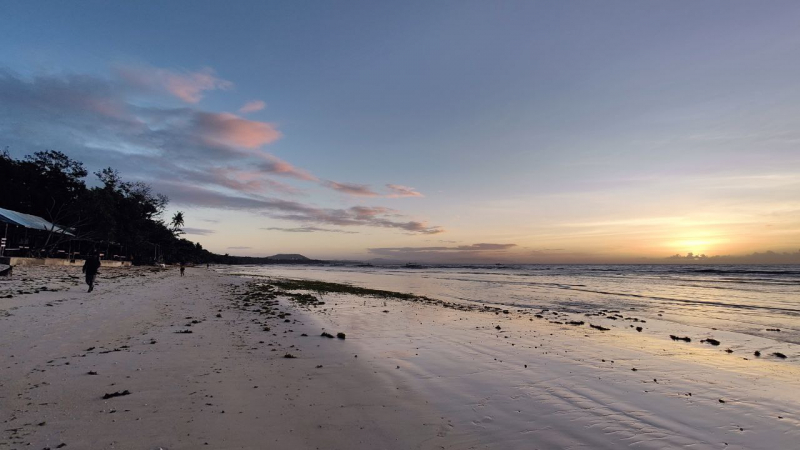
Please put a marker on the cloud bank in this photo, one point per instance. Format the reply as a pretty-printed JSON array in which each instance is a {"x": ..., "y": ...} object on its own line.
[
  {"x": 767, "y": 257},
  {"x": 461, "y": 253},
  {"x": 202, "y": 158}
]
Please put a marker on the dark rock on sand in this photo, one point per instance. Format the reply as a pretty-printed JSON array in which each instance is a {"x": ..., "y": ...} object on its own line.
[
  {"x": 599, "y": 327},
  {"x": 678, "y": 338},
  {"x": 341, "y": 335},
  {"x": 326, "y": 334},
  {"x": 779, "y": 355},
  {"x": 711, "y": 341}
]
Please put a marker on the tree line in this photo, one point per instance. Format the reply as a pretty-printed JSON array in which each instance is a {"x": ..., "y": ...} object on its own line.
[{"x": 123, "y": 214}]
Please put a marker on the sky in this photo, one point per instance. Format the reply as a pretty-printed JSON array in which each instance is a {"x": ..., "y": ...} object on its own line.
[{"x": 448, "y": 131}]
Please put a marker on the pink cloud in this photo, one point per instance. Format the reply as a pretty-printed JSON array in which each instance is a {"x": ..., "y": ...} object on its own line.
[
  {"x": 187, "y": 86},
  {"x": 253, "y": 106},
  {"x": 380, "y": 217},
  {"x": 364, "y": 212},
  {"x": 230, "y": 129},
  {"x": 399, "y": 191},
  {"x": 273, "y": 164},
  {"x": 249, "y": 181},
  {"x": 360, "y": 190},
  {"x": 364, "y": 190}
]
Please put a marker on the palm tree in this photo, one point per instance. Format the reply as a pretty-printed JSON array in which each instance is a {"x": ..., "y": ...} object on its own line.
[{"x": 177, "y": 223}]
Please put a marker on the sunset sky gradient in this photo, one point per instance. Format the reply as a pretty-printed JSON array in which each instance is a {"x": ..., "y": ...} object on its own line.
[{"x": 453, "y": 131}]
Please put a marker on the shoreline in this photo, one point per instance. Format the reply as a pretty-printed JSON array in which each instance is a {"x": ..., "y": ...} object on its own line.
[{"x": 408, "y": 375}]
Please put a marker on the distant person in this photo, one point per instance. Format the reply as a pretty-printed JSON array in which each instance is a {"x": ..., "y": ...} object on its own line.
[
  {"x": 90, "y": 269},
  {"x": 207, "y": 266},
  {"x": 183, "y": 267}
]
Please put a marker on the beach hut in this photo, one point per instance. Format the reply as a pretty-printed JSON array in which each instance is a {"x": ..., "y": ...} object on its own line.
[{"x": 22, "y": 231}]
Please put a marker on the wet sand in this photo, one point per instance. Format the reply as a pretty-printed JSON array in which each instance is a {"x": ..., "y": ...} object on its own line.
[{"x": 201, "y": 362}]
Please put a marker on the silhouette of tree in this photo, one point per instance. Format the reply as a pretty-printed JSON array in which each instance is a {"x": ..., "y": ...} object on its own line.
[{"x": 177, "y": 223}]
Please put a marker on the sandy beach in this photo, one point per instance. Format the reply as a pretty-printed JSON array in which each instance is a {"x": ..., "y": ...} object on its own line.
[{"x": 152, "y": 360}]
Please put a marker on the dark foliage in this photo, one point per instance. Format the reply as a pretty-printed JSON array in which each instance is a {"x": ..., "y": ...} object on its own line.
[{"x": 126, "y": 215}]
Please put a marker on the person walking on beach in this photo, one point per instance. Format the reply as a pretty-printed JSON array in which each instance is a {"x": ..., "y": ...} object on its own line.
[
  {"x": 90, "y": 269},
  {"x": 183, "y": 267}
]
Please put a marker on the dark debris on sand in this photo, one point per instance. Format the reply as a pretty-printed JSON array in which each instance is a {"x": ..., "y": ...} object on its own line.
[{"x": 116, "y": 394}]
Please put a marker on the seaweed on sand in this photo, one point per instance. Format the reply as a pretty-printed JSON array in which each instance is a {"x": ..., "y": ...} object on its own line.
[{"x": 324, "y": 287}]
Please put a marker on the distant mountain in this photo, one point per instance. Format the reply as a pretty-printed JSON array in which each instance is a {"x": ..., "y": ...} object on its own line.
[
  {"x": 281, "y": 258},
  {"x": 294, "y": 257}
]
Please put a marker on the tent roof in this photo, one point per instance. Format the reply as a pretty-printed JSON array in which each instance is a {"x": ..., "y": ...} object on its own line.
[{"x": 29, "y": 221}]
